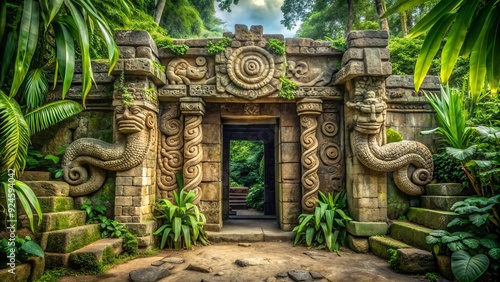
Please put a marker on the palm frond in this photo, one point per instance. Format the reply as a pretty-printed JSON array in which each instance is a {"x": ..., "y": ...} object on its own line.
[
  {"x": 65, "y": 54},
  {"x": 15, "y": 134},
  {"x": 36, "y": 87},
  {"x": 49, "y": 114}
]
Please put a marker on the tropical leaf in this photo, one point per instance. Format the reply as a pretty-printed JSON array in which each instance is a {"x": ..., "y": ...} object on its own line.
[
  {"x": 49, "y": 114},
  {"x": 467, "y": 268},
  {"x": 35, "y": 88},
  {"x": 476, "y": 27},
  {"x": 32, "y": 248},
  {"x": 477, "y": 67},
  {"x": 3, "y": 18},
  {"x": 65, "y": 51},
  {"x": 461, "y": 154},
  {"x": 430, "y": 48},
  {"x": 402, "y": 5},
  {"x": 456, "y": 38},
  {"x": 492, "y": 65},
  {"x": 494, "y": 253},
  {"x": 27, "y": 43},
  {"x": 54, "y": 6},
  {"x": 15, "y": 134},
  {"x": 433, "y": 16},
  {"x": 28, "y": 200},
  {"x": 8, "y": 54}
]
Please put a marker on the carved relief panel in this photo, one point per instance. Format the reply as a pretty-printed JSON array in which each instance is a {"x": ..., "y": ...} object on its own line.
[
  {"x": 311, "y": 71},
  {"x": 199, "y": 70}
]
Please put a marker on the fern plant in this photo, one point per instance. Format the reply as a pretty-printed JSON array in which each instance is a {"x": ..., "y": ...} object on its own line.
[
  {"x": 181, "y": 221},
  {"x": 326, "y": 227}
]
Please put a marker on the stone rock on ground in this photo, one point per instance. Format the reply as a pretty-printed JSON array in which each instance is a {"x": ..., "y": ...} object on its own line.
[
  {"x": 199, "y": 267},
  {"x": 316, "y": 275},
  {"x": 300, "y": 275},
  {"x": 173, "y": 260},
  {"x": 148, "y": 274},
  {"x": 416, "y": 261},
  {"x": 244, "y": 245},
  {"x": 251, "y": 262}
]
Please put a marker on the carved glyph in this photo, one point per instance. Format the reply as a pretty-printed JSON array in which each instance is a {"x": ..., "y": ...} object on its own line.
[
  {"x": 170, "y": 155},
  {"x": 308, "y": 110},
  {"x": 403, "y": 158},
  {"x": 305, "y": 73},
  {"x": 249, "y": 72},
  {"x": 180, "y": 71},
  {"x": 136, "y": 124}
]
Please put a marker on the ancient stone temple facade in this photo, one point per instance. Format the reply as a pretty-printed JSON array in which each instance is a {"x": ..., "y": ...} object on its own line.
[{"x": 177, "y": 114}]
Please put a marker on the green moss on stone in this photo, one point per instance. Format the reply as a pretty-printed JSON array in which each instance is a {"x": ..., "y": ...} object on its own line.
[
  {"x": 108, "y": 256},
  {"x": 87, "y": 263}
]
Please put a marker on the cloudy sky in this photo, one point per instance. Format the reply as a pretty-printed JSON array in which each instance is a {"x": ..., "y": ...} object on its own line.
[{"x": 256, "y": 12}]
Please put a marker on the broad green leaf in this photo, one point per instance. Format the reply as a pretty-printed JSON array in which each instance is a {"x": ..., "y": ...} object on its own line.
[
  {"x": 164, "y": 237},
  {"x": 309, "y": 235},
  {"x": 476, "y": 27},
  {"x": 477, "y": 65},
  {"x": 187, "y": 235},
  {"x": 8, "y": 54},
  {"x": 54, "y": 8},
  {"x": 431, "y": 240},
  {"x": 3, "y": 18},
  {"x": 494, "y": 253},
  {"x": 478, "y": 219},
  {"x": 456, "y": 38},
  {"x": 65, "y": 51},
  {"x": 467, "y": 268},
  {"x": 14, "y": 135},
  {"x": 461, "y": 154},
  {"x": 177, "y": 226},
  {"x": 471, "y": 243},
  {"x": 49, "y": 114},
  {"x": 84, "y": 41},
  {"x": 32, "y": 248},
  {"x": 36, "y": 87},
  {"x": 430, "y": 47},
  {"x": 27, "y": 43},
  {"x": 401, "y": 6},
  {"x": 28, "y": 200},
  {"x": 492, "y": 65},
  {"x": 436, "y": 14}
]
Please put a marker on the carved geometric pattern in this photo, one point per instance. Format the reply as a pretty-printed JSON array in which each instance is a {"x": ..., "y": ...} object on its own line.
[
  {"x": 308, "y": 110},
  {"x": 193, "y": 154},
  {"x": 330, "y": 153}
]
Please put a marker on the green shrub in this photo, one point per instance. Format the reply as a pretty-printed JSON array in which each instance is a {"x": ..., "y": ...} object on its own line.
[
  {"x": 339, "y": 43},
  {"x": 37, "y": 161},
  {"x": 255, "y": 197},
  {"x": 218, "y": 46},
  {"x": 393, "y": 260},
  {"x": 276, "y": 46},
  {"x": 181, "y": 222},
  {"x": 23, "y": 249},
  {"x": 448, "y": 169},
  {"x": 393, "y": 135},
  {"x": 326, "y": 227},
  {"x": 288, "y": 88}
]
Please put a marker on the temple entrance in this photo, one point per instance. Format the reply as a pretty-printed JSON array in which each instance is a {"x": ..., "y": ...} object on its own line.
[{"x": 249, "y": 185}]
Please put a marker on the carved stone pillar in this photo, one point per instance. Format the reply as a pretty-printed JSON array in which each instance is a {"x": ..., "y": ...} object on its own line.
[
  {"x": 308, "y": 110},
  {"x": 193, "y": 109}
]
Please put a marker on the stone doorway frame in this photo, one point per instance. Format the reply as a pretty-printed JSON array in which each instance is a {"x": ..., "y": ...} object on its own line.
[{"x": 253, "y": 131}]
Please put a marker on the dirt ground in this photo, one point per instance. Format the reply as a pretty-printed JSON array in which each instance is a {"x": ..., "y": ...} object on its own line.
[{"x": 273, "y": 257}]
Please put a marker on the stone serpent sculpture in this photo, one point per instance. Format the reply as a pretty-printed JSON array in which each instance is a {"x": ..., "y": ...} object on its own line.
[
  {"x": 86, "y": 159},
  {"x": 399, "y": 157}
]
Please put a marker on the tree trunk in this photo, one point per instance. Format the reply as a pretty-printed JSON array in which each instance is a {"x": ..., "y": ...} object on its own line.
[
  {"x": 159, "y": 10},
  {"x": 404, "y": 23},
  {"x": 350, "y": 16},
  {"x": 384, "y": 25}
]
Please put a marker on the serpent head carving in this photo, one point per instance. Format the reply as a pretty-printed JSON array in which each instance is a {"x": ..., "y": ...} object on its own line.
[
  {"x": 402, "y": 158},
  {"x": 86, "y": 159}
]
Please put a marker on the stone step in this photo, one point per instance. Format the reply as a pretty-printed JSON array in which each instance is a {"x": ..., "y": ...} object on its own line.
[
  {"x": 416, "y": 261},
  {"x": 443, "y": 203},
  {"x": 56, "y": 203},
  {"x": 34, "y": 176},
  {"x": 447, "y": 189},
  {"x": 411, "y": 233},
  {"x": 380, "y": 244},
  {"x": 57, "y": 220},
  {"x": 103, "y": 251},
  {"x": 431, "y": 218},
  {"x": 71, "y": 239},
  {"x": 49, "y": 188},
  {"x": 238, "y": 206},
  {"x": 96, "y": 252}
]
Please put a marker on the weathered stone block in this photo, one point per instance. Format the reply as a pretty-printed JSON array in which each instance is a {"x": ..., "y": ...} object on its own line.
[
  {"x": 123, "y": 200},
  {"x": 135, "y": 38},
  {"x": 289, "y": 134},
  {"x": 291, "y": 192},
  {"x": 68, "y": 240},
  {"x": 293, "y": 210},
  {"x": 290, "y": 152},
  {"x": 211, "y": 133},
  {"x": 142, "y": 229},
  {"x": 49, "y": 188},
  {"x": 358, "y": 228},
  {"x": 211, "y": 172},
  {"x": 358, "y": 244},
  {"x": 212, "y": 211},
  {"x": 291, "y": 172},
  {"x": 127, "y": 52},
  {"x": 416, "y": 261},
  {"x": 212, "y": 152},
  {"x": 211, "y": 191},
  {"x": 145, "y": 52},
  {"x": 124, "y": 180}
]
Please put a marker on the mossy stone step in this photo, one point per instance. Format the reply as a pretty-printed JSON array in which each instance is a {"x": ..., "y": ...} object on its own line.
[
  {"x": 447, "y": 189},
  {"x": 35, "y": 175},
  {"x": 49, "y": 188},
  {"x": 380, "y": 244},
  {"x": 56, "y": 221},
  {"x": 55, "y": 260},
  {"x": 56, "y": 203},
  {"x": 443, "y": 203},
  {"x": 411, "y": 233},
  {"x": 97, "y": 254},
  {"x": 431, "y": 218},
  {"x": 71, "y": 239}
]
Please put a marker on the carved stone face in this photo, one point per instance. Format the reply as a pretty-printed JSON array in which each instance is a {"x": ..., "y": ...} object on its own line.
[{"x": 130, "y": 120}]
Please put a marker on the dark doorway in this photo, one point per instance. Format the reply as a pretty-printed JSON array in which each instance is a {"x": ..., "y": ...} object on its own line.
[{"x": 259, "y": 134}]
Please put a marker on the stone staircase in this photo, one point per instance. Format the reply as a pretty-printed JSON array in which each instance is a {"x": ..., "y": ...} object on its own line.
[
  {"x": 238, "y": 198},
  {"x": 63, "y": 234},
  {"x": 434, "y": 213}
]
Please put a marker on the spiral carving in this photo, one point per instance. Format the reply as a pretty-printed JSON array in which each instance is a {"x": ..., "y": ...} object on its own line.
[
  {"x": 250, "y": 67},
  {"x": 329, "y": 128},
  {"x": 330, "y": 153},
  {"x": 170, "y": 156},
  {"x": 310, "y": 162},
  {"x": 193, "y": 154}
]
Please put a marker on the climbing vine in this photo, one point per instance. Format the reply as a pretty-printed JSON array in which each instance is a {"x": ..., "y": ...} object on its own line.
[{"x": 127, "y": 98}]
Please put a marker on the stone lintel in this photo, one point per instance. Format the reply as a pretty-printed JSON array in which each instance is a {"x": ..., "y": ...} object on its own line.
[
  {"x": 140, "y": 67},
  {"x": 355, "y": 69},
  {"x": 172, "y": 92},
  {"x": 367, "y": 229},
  {"x": 192, "y": 106}
]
